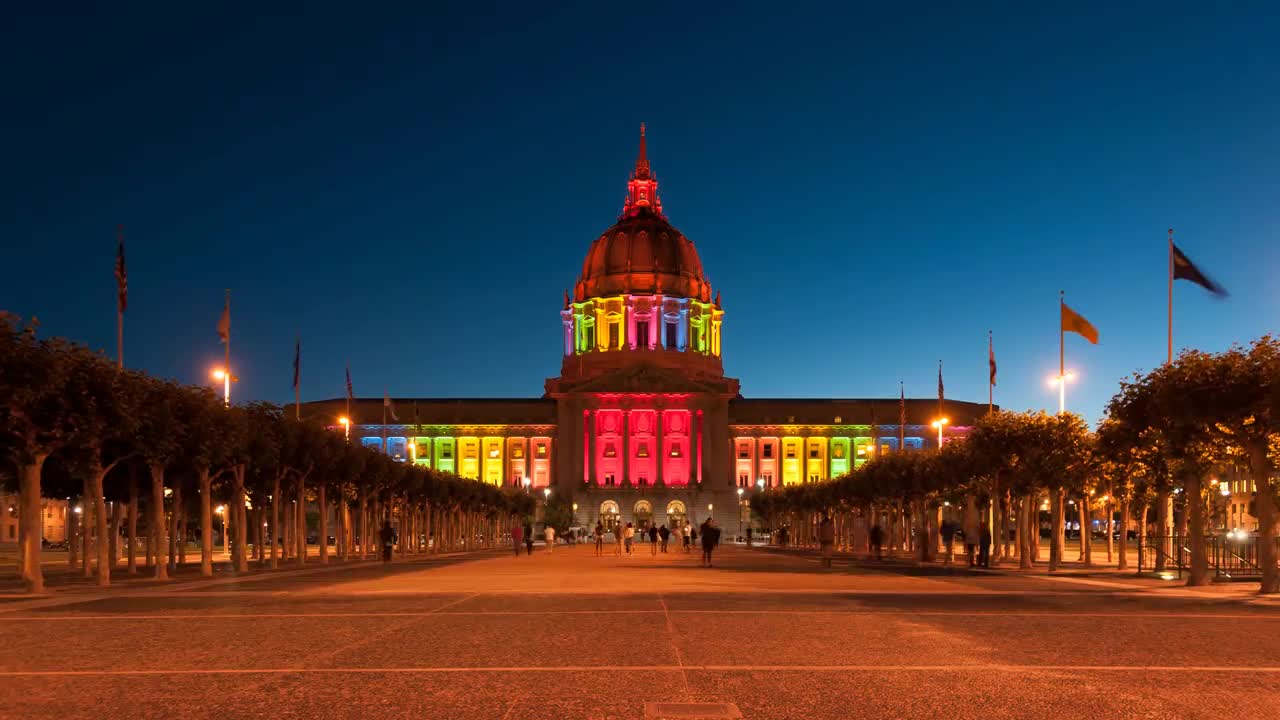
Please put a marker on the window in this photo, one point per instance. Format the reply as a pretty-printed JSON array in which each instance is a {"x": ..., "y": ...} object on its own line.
[
  {"x": 813, "y": 478},
  {"x": 642, "y": 333},
  {"x": 744, "y": 480},
  {"x": 610, "y": 450},
  {"x": 766, "y": 451},
  {"x": 608, "y": 479},
  {"x": 744, "y": 452},
  {"x": 671, "y": 335},
  {"x": 791, "y": 451},
  {"x": 446, "y": 452},
  {"x": 642, "y": 450},
  {"x": 615, "y": 334},
  {"x": 591, "y": 337},
  {"x": 642, "y": 481},
  {"x": 675, "y": 450},
  {"x": 768, "y": 479},
  {"x": 813, "y": 452},
  {"x": 517, "y": 452},
  {"x": 542, "y": 449}
]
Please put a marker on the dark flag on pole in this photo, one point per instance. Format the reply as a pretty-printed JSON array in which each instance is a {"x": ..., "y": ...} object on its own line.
[
  {"x": 297, "y": 361},
  {"x": 1184, "y": 269},
  {"x": 350, "y": 394},
  {"x": 991, "y": 360},
  {"x": 940, "y": 391},
  {"x": 902, "y": 417},
  {"x": 224, "y": 323},
  {"x": 122, "y": 277}
]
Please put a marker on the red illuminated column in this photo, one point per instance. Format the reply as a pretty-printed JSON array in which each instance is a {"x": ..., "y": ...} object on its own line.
[
  {"x": 586, "y": 446},
  {"x": 659, "y": 453},
  {"x": 626, "y": 445},
  {"x": 699, "y": 452}
]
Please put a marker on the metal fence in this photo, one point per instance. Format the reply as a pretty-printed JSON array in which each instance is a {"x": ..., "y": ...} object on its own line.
[{"x": 1233, "y": 556}]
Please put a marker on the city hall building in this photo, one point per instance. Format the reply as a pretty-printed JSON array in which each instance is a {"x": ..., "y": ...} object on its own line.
[{"x": 642, "y": 425}]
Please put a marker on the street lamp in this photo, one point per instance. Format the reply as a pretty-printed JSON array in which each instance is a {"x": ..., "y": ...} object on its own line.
[
  {"x": 546, "y": 493},
  {"x": 760, "y": 483},
  {"x": 345, "y": 422},
  {"x": 740, "y": 490},
  {"x": 224, "y": 376},
  {"x": 940, "y": 423},
  {"x": 1061, "y": 381},
  {"x": 221, "y": 511}
]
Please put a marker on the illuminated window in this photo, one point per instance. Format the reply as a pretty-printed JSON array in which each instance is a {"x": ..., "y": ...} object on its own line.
[
  {"x": 744, "y": 480},
  {"x": 591, "y": 337},
  {"x": 675, "y": 451},
  {"x": 838, "y": 451},
  {"x": 615, "y": 334},
  {"x": 768, "y": 479},
  {"x": 642, "y": 450},
  {"x": 517, "y": 452},
  {"x": 608, "y": 479},
  {"x": 791, "y": 451},
  {"x": 610, "y": 450},
  {"x": 766, "y": 451},
  {"x": 813, "y": 451},
  {"x": 446, "y": 452},
  {"x": 642, "y": 333},
  {"x": 542, "y": 449},
  {"x": 671, "y": 335},
  {"x": 744, "y": 451}
]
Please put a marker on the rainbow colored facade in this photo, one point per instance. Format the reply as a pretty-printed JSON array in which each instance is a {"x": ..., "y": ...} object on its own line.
[{"x": 642, "y": 425}]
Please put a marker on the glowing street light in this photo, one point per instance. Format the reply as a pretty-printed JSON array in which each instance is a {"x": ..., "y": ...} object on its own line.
[
  {"x": 224, "y": 376},
  {"x": 221, "y": 511},
  {"x": 345, "y": 422},
  {"x": 1061, "y": 382},
  {"x": 940, "y": 423},
  {"x": 546, "y": 493}
]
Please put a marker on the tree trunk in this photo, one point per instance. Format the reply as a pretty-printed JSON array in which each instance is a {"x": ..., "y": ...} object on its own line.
[
  {"x": 30, "y": 524},
  {"x": 275, "y": 522},
  {"x": 239, "y": 559},
  {"x": 1161, "y": 541},
  {"x": 175, "y": 527},
  {"x": 1194, "y": 509},
  {"x": 1028, "y": 531},
  {"x": 71, "y": 534},
  {"x": 156, "y": 524},
  {"x": 300, "y": 520},
  {"x": 206, "y": 522},
  {"x": 322, "y": 501},
  {"x": 105, "y": 559},
  {"x": 133, "y": 521},
  {"x": 1266, "y": 507},
  {"x": 364, "y": 523},
  {"x": 113, "y": 544},
  {"x": 1082, "y": 517},
  {"x": 86, "y": 522},
  {"x": 1056, "y": 497},
  {"x": 1122, "y": 548}
]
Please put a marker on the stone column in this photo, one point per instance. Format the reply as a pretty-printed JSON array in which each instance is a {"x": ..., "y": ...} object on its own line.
[
  {"x": 626, "y": 445},
  {"x": 591, "y": 447},
  {"x": 658, "y": 452}
]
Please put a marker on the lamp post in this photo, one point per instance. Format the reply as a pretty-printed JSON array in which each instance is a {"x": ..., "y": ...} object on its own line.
[
  {"x": 345, "y": 422},
  {"x": 1061, "y": 381},
  {"x": 939, "y": 424},
  {"x": 223, "y": 375},
  {"x": 740, "y": 528},
  {"x": 222, "y": 521}
]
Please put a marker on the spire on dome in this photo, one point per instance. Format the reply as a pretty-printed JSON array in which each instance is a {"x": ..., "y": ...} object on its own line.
[
  {"x": 642, "y": 161},
  {"x": 642, "y": 188}
]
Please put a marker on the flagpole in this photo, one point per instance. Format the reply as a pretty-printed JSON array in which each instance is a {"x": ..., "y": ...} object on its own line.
[
  {"x": 297, "y": 380},
  {"x": 119, "y": 305},
  {"x": 226, "y": 360},
  {"x": 384, "y": 422},
  {"x": 1170, "y": 347},
  {"x": 902, "y": 417},
  {"x": 1062, "y": 362},
  {"x": 991, "y": 386}
]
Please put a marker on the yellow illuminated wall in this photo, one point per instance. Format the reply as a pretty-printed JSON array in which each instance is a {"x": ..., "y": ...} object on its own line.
[
  {"x": 492, "y": 460},
  {"x": 469, "y": 457},
  {"x": 815, "y": 458},
  {"x": 792, "y": 456}
]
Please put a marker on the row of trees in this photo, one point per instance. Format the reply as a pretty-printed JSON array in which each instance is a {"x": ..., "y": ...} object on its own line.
[
  {"x": 1167, "y": 432},
  {"x": 73, "y": 424}
]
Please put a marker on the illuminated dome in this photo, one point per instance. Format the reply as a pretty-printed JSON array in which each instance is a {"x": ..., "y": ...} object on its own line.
[{"x": 642, "y": 254}]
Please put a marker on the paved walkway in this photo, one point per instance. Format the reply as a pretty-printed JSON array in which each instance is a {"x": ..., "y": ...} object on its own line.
[{"x": 571, "y": 635}]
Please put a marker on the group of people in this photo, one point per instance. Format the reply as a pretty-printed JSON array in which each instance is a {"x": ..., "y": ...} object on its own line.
[
  {"x": 625, "y": 537},
  {"x": 524, "y": 534}
]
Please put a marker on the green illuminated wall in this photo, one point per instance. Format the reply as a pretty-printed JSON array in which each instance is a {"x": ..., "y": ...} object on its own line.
[
  {"x": 446, "y": 453},
  {"x": 840, "y": 449}
]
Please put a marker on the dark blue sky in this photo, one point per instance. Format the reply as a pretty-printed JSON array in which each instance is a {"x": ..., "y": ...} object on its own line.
[{"x": 871, "y": 190}]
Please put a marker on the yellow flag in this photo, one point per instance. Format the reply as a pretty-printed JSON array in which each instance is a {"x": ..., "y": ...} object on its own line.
[{"x": 1073, "y": 321}]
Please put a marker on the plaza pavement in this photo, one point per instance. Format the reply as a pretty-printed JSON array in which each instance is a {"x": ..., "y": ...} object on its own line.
[{"x": 571, "y": 635}]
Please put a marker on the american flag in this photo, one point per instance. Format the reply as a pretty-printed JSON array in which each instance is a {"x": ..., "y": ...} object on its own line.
[{"x": 349, "y": 393}]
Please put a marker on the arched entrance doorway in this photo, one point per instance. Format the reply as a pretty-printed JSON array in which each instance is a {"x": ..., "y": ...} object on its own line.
[
  {"x": 676, "y": 515},
  {"x": 643, "y": 514},
  {"x": 609, "y": 515}
]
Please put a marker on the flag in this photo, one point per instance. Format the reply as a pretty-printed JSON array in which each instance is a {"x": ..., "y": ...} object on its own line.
[
  {"x": 1184, "y": 269},
  {"x": 991, "y": 360},
  {"x": 1075, "y": 322},
  {"x": 297, "y": 361},
  {"x": 224, "y": 323},
  {"x": 391, "y": 409},
  {"x": 940, "y": 391},
  {"x": 122, "y": 277},
  {"x": 349, "y": 393}
]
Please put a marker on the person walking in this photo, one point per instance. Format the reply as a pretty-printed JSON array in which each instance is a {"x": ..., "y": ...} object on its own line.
[
  {"x": 653, "y": 540},
  {"x": 877, "y": 540},
  {"x": 517, "y": 537},
  {"x": 948, "y": 530},
  {"x": 826, "y": 538},
  {"x": 528, "y": 537},
  {"x": 984, "y": 545},
  {"x": 748, "y": 536},
  {"x": 710, "y": 538},
  {"x": 550, "y": 534},
  {"x": 684, "y": 533},
  {"x": 599, "y": 538},
  {"x": 628, "y": 537},
  {"x": 664, "y": 533},
  {"x": 617, "y": 539},
  {"x": 387, "y": 535}
]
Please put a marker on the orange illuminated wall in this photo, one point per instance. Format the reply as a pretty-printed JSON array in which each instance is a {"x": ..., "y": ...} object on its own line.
[
  {"x": 540, "y": 457},
  {"x": 517, "y": 461},
  {"x": 744, "y": 450},
  {"x": 769, "y": 449}
]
